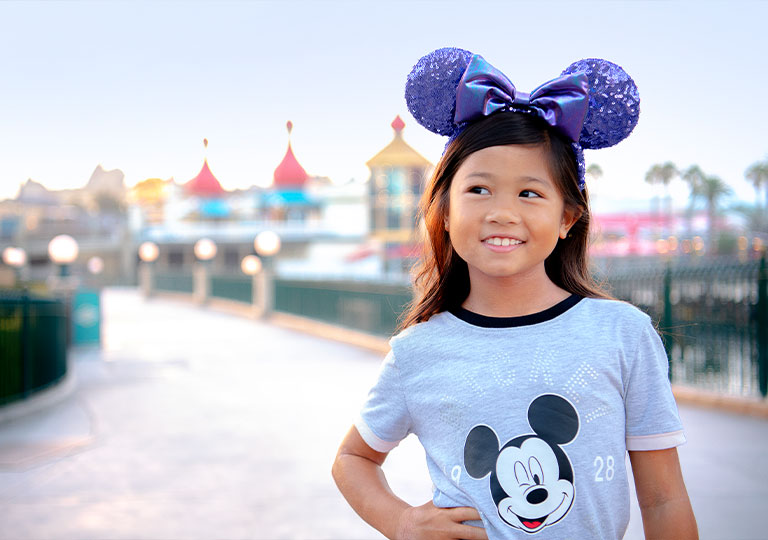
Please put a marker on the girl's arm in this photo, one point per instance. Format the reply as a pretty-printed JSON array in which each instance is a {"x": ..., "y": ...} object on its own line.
[
  {"x": 664, "y": 503},
  {"x": 357, "y": 472}
]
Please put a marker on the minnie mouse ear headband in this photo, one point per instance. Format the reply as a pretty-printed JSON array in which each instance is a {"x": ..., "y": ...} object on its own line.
[{"x": 594, "y": 103}]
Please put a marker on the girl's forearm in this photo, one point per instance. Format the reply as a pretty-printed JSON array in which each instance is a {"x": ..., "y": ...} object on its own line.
[
  {"x": 673, "y": 519},
  {"x": 364, "y": 486}
]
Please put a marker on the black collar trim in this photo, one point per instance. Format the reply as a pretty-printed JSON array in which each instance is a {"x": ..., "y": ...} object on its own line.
[{"x": 524, "y": 320}]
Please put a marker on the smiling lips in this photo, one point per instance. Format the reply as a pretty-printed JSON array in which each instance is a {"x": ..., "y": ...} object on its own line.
[{"x": 496, "y": 242}]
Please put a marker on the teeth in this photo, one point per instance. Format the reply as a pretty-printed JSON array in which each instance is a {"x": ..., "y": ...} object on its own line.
[{"x": 495, "y": 241}]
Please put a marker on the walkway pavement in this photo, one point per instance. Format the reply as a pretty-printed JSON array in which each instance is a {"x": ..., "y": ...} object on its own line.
[{"x": 196, "y": 424}]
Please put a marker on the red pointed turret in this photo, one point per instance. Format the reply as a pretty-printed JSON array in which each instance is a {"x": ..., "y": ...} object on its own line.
[
  {"x": 398, "y": 124},
  {"x": 289, "y": 174},
  {"x": 205, "y": 183}
]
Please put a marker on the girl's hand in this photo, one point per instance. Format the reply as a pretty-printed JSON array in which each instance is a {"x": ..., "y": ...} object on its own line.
[{"x": 427, "y": 522}]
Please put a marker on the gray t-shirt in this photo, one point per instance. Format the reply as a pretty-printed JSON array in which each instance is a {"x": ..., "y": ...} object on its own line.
[{"x": 528, "y": 419}]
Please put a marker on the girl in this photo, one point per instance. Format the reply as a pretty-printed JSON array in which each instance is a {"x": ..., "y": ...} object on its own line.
[{"x": 525, "y": 383}]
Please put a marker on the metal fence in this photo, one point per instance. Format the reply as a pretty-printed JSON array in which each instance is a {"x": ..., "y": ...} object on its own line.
[
  {"x": 372, "y": 307},
  {"x": 183, "y": 283},
  {"x": 712, "y": 319},
  {"x": 239, "y": 288},
  {"x": 33, "y": 338},
  {"x": 369, "y": 306}
]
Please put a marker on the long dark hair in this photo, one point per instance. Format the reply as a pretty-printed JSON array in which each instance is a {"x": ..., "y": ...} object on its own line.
[{"x": 442, "y": 277}]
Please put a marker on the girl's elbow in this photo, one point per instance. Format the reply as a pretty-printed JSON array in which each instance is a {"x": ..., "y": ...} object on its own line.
[{"x": 336, "y": 469}]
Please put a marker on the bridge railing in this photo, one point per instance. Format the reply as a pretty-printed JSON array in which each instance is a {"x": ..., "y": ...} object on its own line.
[
  {"x": 33, "y": 344},
  {"x": 713, "y": 317}
]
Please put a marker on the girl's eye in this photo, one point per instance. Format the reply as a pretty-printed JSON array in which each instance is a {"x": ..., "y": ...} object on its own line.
[
  {"x": 527, "y": 193},
  {"x": 479, "y": 190}
]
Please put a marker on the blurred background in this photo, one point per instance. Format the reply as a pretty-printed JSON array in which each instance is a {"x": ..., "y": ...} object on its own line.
[{"x": 260, "y": 156}]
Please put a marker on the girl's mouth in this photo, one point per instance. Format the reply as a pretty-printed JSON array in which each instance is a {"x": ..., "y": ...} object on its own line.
[{"x": 502, "y": 243}]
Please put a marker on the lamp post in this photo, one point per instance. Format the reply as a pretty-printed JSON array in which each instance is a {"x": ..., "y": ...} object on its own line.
[
  {"x": 267, "y": 245},
  {"x": 205, "y": 250},
  {"x": 251, "y": 266},
  {"x": 63, "y": 251},
  {"x": 16, "y": 258},
  {"x": 148, "y": 253}
]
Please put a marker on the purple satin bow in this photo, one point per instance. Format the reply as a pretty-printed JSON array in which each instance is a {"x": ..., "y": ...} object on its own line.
[{"x": 561, "y": 102}]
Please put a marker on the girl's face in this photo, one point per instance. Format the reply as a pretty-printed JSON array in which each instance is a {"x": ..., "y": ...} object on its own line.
[{"x": 505, "y": 213}]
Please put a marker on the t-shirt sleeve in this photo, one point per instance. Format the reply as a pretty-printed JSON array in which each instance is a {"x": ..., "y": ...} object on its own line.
[
  {"x": 384, "y": 419},
  {"x": 651, "y": 412}
]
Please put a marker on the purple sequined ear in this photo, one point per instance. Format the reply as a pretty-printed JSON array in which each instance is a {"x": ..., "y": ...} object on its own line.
[
  {"x": 430, "y": 90},
  {"x": 614, "y": 103}
]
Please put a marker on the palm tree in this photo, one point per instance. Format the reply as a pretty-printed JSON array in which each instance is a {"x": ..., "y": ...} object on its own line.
[
  {"x": 663, "y": 174},
  {"x": 694, "y": 177},
  {"x": 594, "y": 171},
  {"x": 754, "y": 217},
  {"x": 713, "y": 190},
  {"x": 757, "y": 173}
]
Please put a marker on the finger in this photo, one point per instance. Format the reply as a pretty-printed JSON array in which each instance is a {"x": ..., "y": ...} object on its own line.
[
  {"x": 470, "y": 532},
  {"x": 464, "y": 513}
]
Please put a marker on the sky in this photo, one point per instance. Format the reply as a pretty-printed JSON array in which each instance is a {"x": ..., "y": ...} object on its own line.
[{"x": 138, "y": 85}]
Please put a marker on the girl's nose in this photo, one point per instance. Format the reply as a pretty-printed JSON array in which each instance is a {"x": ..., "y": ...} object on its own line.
[{"x": 503, "y": 214}]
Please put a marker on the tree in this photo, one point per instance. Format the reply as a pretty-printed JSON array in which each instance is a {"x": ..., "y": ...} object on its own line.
[
  {"x": 757, "y": 173},
  {"x": 694, "y": 177},
  {"x": 663, "y": 174},
  {"x": 713, "y": 190},
  {"x": 594, "y": 171},
  {"x": 754, "y": 217}
]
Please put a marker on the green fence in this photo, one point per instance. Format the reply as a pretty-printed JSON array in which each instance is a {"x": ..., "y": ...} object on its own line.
[
  {"x": 239, "y": 288},
  {"x": 712, "y": 319},
  {"x": 33, "y": 344},
  {"x": 182, "y": 283},
  {"x": 372, "y": 307}
]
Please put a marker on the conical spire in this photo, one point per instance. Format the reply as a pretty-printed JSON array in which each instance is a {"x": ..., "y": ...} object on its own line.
[
  {"x": 398, "y": 153},
  {"x": 289, "y": 174},
  {"x": 205, "y": 183}
]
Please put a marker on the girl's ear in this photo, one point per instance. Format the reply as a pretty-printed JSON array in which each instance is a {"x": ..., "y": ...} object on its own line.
[
  {"x": 570, "y": 216},
  {"x": 445, "y": 224}
]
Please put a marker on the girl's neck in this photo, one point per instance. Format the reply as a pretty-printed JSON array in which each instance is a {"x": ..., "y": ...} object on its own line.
[{"x": 512, "y": 296}]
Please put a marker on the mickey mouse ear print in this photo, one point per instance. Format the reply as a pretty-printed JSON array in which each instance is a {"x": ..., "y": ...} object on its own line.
[
  {"x": 614, "y": 103},
  {"x": 430, "y": 89}
]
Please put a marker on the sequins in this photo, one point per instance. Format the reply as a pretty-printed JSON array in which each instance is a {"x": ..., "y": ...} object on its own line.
[
  {"x": 502, "y": 370},
  {"x": 599, "y": 412},
  {"x": 452, "y": 411},
  {"x": 541, "y": 367},
  {"x": 430, "y": 89},
  {"x": 614, "y": 103},
  {"x": 580, "y": 380}
]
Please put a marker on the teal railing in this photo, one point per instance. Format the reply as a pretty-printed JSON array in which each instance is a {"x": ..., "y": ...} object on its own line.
[
  {"x": 33, "y": 344},
  {"x": 373, "y": 307},
  {"x": 713, "y": 317},
  {"x": 182, "y": 283},
  {"x": 239, "y": 288}
]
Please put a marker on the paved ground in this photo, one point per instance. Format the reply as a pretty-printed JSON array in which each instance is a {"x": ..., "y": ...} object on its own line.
[{"x": 192, "y": 424}]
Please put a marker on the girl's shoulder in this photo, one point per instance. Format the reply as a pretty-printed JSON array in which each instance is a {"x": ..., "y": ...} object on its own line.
[
  {"x": 424, "y": 334},
  {"x": 435, "y": 325},
  {"x": 613, "y": 312}
]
